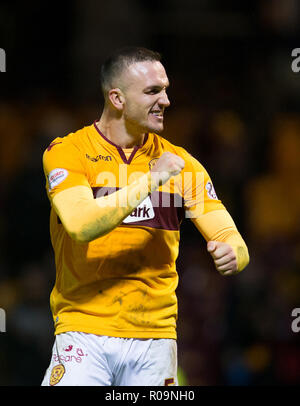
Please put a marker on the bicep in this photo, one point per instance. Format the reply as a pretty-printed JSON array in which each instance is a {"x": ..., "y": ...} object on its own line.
[{"x": 72, "y": 206}]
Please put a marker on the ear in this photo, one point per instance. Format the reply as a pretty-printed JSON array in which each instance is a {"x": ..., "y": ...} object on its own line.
[{"x": 116, "y": 98}]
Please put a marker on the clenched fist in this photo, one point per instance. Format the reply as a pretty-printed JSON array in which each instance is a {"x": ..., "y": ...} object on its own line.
[
  {"x": 167, "y": 166},
  {"x": 224, "y": 257}
]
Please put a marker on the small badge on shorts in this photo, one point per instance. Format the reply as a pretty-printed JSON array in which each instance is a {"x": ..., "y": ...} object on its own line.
[
  {"x": 169, "y": 382},
  {"x": 56, "y": 374}
]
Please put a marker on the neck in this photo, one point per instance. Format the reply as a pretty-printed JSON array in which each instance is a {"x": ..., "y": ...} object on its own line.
[{"x": 115, "y": 129}]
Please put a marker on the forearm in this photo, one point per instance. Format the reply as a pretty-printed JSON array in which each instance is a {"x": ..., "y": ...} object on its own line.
[
  {"x": 235, "y": 240},
  {"x": 219, "y": 226},
  {"x": 86, "y": 218}
]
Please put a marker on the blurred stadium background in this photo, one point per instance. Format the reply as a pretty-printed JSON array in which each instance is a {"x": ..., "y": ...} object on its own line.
[{"x": 235, "y": 106}]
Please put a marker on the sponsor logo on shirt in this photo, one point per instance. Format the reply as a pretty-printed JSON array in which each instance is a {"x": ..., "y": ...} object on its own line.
[
  {"x": 144, "y": 211},
  {"x": 56, "y": 176},
  {"x": 99, "y": 158}
]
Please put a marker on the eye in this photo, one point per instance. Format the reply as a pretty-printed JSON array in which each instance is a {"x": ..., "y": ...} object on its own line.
[{"x": 153, "y": 91}]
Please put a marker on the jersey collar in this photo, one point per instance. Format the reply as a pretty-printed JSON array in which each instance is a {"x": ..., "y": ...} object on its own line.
[{"x": 120, "y": 150}]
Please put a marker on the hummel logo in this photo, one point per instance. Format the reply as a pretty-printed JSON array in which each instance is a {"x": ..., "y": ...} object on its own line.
[{"x": 144, "y": 211}]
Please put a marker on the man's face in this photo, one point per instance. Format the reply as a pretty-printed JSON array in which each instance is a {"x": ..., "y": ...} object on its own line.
[{"x": 145, "y": 85}]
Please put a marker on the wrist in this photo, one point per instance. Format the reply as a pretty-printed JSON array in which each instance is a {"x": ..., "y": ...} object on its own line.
[{"x": 158, "y": 179}]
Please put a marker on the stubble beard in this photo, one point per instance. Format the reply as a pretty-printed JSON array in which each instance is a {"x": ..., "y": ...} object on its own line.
[{"x": 138, "y": 127}]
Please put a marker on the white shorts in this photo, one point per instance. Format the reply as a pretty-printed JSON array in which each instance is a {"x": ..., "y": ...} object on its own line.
[{"x": 80, "y": 359}]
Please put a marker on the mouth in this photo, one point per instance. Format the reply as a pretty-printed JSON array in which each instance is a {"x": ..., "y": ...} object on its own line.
[{"x": 158, "y": 114}]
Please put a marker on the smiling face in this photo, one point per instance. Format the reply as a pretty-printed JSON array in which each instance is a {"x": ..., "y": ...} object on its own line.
[{"x": 144, "y": 87}]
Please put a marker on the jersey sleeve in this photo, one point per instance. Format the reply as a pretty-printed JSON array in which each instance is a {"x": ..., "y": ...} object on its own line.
[
  {"x": 197, "y": 188},
  {"x": 63, "y": 167}
]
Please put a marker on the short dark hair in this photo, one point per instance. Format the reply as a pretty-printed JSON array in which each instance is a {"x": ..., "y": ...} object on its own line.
[{"x": 121, "y": 59}]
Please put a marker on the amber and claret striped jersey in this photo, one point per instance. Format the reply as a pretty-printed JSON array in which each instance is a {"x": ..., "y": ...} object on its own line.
[{"x": 123, "y": 283}]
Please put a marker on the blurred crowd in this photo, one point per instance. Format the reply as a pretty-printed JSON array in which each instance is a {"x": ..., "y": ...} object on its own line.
[{"x": 238, "y": 114}]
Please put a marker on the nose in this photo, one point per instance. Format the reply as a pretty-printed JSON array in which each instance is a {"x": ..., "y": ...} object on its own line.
[{"x": 164, "y": 100}]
